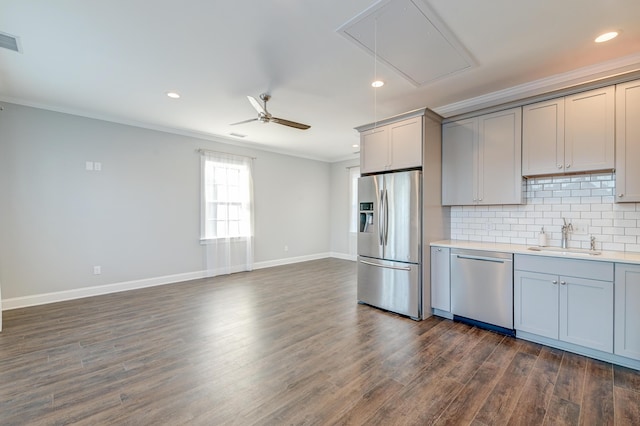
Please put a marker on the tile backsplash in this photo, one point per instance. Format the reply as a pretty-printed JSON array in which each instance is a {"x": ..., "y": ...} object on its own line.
[{"x": 587, "y": 201}]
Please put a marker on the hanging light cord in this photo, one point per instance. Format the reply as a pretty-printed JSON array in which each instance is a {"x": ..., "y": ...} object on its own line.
[{"x": 375, "y": 72}]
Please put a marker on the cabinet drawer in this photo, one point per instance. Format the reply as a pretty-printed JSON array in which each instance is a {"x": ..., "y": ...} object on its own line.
[{"x": 591, "y": 269}]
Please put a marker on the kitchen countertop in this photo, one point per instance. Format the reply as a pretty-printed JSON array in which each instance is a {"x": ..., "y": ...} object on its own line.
[{"x": 605, "y": 256}]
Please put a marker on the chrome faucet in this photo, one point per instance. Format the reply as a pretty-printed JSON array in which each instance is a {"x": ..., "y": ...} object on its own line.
[{"x": 566, "y": 229}]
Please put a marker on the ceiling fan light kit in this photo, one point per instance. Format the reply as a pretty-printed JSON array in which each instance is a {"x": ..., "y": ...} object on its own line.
[{"x": 265, "y": 116}]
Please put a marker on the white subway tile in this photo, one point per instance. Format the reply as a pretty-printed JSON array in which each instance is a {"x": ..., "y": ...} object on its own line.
[
  {"x": 613, "y": 246},
  {"x": 626, "y": 239},
  {"x": 603, "y": 192},
  {"x": 591, "y": 200},
  {"x": 591, "y": 215},
  {"x": 571, "y": 185},
  {"x": 624, "y": 207},
  {"x": 632, "y": 231},
  {"x": 602, "y": 222},
  {"x": 590, "y": 185},
  {"x": 581, "y": 193},
  {"x": 609, "y": 230},
  {"x": 625, "y": 223},
  {"x": 632, "y": 247},
  {"x": 601, "y": 207},
  {"x": 581, "y": 207}
]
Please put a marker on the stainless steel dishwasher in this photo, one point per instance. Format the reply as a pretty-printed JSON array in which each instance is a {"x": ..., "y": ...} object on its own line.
[{"x": 482, "y": 287}]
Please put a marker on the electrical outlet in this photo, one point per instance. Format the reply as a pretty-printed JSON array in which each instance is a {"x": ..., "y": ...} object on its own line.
[
  {"x": 97, "y": 166},
  {"x": 286, "y": 248},
  {"x": 97, "y": 270},
  {"x": 580, "y": 227},
  {"x": 89, "y": 166}
]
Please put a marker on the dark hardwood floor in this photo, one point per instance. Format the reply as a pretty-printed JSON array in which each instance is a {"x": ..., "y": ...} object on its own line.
[{"x": 287, "y": 345}]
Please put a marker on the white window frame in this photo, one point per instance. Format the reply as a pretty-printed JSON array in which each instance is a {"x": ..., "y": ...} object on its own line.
[{"x": 228, "y": 198}]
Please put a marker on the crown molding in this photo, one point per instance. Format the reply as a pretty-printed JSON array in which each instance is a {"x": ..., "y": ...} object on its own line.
[
  {"x": 159, "y": 128},
  {"x": 589, "y": 74}
]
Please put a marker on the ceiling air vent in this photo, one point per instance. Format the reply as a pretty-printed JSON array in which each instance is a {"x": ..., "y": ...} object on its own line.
[{"x": 9, "y": 41}]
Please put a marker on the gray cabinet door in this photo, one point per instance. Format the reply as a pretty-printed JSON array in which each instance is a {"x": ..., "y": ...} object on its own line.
[
  {"x": 459, "y": 165},
  {"x": 589, "y": 142},
  {"x": 535, "y": 298},
  {"x": 440, "y": 279},
  {"x": 627, "y": 311},
  {"x": 586, "y": 313},
  {"x": 543, "y": 138},
  {"x": 500, "y": 157},
  {"x": 628, "y": 142}
]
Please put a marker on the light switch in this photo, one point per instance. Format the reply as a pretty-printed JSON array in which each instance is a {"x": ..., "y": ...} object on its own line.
[
  {"x": 97, "y": 166},
  {"x": 89, "y": 165}
]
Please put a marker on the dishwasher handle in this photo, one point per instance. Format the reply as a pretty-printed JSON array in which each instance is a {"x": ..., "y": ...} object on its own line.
[{"x": 484, "y": 259}]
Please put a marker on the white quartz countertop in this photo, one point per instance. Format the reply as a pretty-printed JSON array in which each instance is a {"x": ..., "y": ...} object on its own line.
[{"x": 604, "y": 256}]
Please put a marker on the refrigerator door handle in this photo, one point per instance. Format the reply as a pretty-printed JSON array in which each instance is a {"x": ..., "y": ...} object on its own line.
[
  {"x": 380, "y": 218},
  {"x": 399, "y": 268},
  {"x": 386, "y": 217}
]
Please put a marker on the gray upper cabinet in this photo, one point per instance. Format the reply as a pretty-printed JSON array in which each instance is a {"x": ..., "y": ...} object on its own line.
[
  {"x": 589, "y": 138},
  {"x": 628, "y": 142},
  {"x": 543, "y": 138},
  {"x": 393, "y": 146},
  {"x": 481, "y": 159},
  {"x": 571, "y": 134}
]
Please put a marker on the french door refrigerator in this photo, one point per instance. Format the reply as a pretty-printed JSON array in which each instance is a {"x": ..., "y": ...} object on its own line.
[{"x": 389, "y": 242}]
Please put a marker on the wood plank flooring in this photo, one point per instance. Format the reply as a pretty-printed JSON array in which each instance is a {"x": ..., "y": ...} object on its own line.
[{"x": 287, "y": 345}]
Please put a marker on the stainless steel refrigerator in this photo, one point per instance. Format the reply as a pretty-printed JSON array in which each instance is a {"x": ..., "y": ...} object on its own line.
[{"x": 389, "y": 242}]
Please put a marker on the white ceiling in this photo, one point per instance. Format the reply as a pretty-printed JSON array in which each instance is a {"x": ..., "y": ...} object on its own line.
[{"x": 116, "y": 59}]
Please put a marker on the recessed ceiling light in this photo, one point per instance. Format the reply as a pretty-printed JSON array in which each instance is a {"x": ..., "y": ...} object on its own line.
[
  {"x": 606, "y": 37},
  {"x": 377, "y": 83},
  {"x": 173, "y": 95}
]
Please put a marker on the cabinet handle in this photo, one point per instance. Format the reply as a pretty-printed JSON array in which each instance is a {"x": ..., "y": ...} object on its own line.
[
  {"x": 567, "y": 166},
  {"x": 620, "y": 195},
  {"x": 439, "y": 249},
  {"x": 554, "y": 282},
  {"x": 563, "y": 283},
  {"x": 559, "y": 166}
]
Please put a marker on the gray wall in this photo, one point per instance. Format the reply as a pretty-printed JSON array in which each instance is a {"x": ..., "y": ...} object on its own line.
[{"x": 139, "y": 217}]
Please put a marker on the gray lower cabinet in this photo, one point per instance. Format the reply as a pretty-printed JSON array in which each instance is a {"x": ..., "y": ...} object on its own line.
[
  {"x": 565, "y": 299},
  {"x": 627, "y": 311},
  {"x": 440, "y": 279}
]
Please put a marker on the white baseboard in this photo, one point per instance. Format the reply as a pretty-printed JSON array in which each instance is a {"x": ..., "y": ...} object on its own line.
[
  {"x": 78, "y": 293},
  {"x": 60, "y": 296},
  {"x": 289, "y": 260},
  {"x": 344, "y": 256}
]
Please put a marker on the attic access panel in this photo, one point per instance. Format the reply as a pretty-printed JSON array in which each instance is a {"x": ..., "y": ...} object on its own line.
[{"x": 409, "y": 37}]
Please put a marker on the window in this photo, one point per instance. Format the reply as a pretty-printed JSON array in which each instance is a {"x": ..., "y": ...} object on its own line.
[{"x": 226, "y": 196}]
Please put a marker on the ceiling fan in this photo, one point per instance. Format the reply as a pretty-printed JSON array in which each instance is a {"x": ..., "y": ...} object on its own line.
[{"x": 265, "y": 116}]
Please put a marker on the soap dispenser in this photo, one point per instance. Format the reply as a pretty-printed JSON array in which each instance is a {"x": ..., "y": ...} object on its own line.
[{"x": 542, "y": 238}]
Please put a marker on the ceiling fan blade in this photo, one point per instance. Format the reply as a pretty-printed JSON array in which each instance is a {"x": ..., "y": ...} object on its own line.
[
  {"x": 289, "y": 123},
  {"x": 256, "y": 105},
  {"x": 245, "y": 121}
]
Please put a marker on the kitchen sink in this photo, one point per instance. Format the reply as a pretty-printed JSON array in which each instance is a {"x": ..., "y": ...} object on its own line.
[{"x": 560, "y": 250}]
